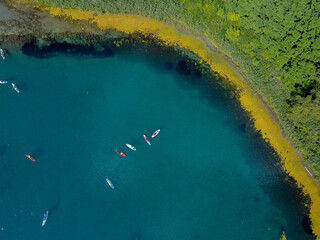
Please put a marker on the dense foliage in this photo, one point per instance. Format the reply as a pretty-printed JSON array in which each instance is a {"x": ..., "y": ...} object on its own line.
[{"x": 275, "y": 43}]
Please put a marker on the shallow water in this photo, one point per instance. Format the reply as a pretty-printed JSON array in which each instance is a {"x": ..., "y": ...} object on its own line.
[{"x": 203, "y": 177}]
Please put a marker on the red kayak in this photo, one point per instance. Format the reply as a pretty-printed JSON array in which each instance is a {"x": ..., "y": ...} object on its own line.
[
  {"x": 30, "y": 157},
  {"x": 121, "y": 153},
  {"x": 155, "y": 133}
]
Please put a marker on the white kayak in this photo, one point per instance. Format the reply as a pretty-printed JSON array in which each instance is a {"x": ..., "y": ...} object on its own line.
[
  {"x": 2, "y": 54},
  {"x": 131, "y": 147},
  {"x": 15, "y": 87},
  {"x": 155, "y": 133},
  {"x": 3, "y": 82},
  {"x": 45, "y": 217}
]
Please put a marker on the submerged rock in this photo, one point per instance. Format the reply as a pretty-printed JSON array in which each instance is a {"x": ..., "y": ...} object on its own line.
[
  {"x": 169, "y": 65},
  {"x": 243, "y": 127},
  {"x": 197, "y": 73},
  {"x": 183, "y": 68},
  {"x": 32, "y": 49},
  {"x": 306, "y": 224}
]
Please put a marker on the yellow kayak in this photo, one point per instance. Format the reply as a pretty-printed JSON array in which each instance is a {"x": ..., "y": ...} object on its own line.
[{"x": 283, "y": 236}]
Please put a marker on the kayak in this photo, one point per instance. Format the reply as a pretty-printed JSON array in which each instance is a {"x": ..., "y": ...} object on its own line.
[
  {"x": 155, "y": 133},
  {"x": 45, "y": 217},
  {"x": 147, "y": 140},
  {"x": 110, "y": 183},
  {"x": 131, "y": 147},
  {"x": 121, "y": 153},
  {"x": 2, "y": 54},
  {"x": 15, "y": 87},
  {"x": 30, "y": 157},
  {"x": 3, "y": 82}
]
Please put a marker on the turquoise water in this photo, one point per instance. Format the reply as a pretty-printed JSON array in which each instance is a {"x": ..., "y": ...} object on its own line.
[{"x": 205, "y": 176}]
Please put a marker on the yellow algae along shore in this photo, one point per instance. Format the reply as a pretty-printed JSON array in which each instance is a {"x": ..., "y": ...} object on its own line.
[{"x": 263, "y": 121}]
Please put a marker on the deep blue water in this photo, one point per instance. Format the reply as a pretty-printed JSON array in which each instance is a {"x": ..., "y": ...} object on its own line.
[{"x": 205, "y": 176}]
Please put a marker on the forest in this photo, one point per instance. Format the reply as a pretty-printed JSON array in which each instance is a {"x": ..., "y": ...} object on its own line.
[{"x": 276, "y": 45}]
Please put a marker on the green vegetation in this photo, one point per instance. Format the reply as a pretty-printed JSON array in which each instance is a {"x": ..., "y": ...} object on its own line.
[{"x": 275, "y": 43}]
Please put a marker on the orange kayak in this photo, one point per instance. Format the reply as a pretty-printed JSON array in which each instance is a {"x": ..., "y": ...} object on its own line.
[
  {"x": 121, "y": 153},
  {"x": 30, "y": 157}
]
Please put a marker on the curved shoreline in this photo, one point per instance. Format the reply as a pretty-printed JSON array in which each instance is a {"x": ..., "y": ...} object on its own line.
[{"x": 261, "y": 116}]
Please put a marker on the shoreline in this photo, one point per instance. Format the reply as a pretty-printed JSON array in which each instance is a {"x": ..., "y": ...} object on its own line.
[{"x": 263, "y": 117}]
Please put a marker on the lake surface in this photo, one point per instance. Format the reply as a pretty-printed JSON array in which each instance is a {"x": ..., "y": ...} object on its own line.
[{"x": 205, "y": 176}]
